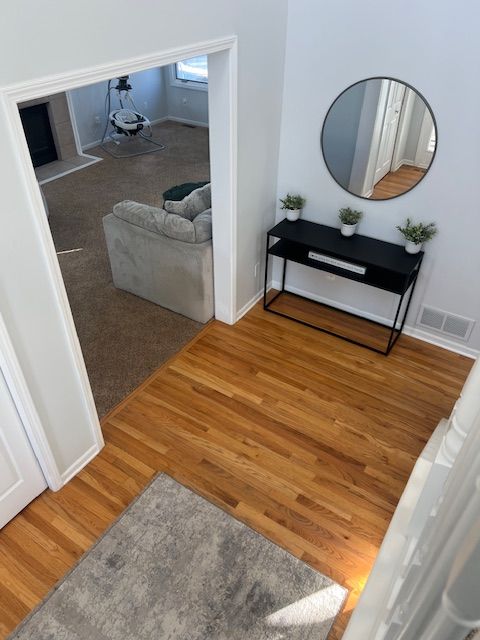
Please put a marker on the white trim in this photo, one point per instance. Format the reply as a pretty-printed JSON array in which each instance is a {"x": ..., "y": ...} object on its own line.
[
  {"x": 423, "y": 157},
  {"x": 408, "y": 330},
  {"x": 222, "y": 106},
  {"x": 184, "y": 84},
  {"x": 195, "y": 123},
  {"x": 73, "y": 169},
  {"x": 333, "y": 303},
  {"x": 387, "y": 562},
  {"x": 73, "y": 121},
  {"x": 440, "y": 341},
  {"x": 252, "y": 302},
  {"x": 79, "y": 464},
  {"x": 411, "y": 163},
  {"x": 22, "y": 399},
  {"x": 24, "y": 91},
  {"x": 225, "y": 192},
  {"x": 96, "y": 143},
  {"x": 91, "y": 145},
  {"x": 403, "y": 129}
]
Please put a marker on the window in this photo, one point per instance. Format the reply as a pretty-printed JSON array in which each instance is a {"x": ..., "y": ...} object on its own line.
[{"x": 192, "y": 70}]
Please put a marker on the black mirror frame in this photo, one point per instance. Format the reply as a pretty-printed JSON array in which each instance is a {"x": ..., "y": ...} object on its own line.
[{"x": 427, "y": 104}]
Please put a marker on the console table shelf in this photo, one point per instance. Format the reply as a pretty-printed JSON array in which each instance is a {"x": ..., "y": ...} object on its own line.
[{"x": 380, "y": 264}]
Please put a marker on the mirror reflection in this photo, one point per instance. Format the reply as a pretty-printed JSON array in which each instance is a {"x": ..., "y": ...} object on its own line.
[{"x": 379, "y": 138}]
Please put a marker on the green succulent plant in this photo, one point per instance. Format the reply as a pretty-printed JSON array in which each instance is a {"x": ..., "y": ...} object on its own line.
[
  {"x": 292, "y": 202},
  {"x": 417, "y": 233},
  {"x": 349, "y": 216}
]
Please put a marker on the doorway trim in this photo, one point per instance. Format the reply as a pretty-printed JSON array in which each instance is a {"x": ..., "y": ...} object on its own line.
[
  {"x": 224, "y": 196},
  {"x": 17, "y": 386}
]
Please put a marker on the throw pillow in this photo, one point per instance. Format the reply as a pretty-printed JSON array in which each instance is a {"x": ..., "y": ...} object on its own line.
[
  {"x": 192, "y": 205},
  {"x": 180, "y": 191}
]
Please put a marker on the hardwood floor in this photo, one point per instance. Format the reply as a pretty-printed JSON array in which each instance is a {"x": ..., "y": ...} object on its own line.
[
  {"x": 303, "y": 436},
  {"x": 397, "y": 182}
]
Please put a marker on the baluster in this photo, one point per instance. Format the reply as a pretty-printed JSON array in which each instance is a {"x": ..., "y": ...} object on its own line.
[{"x": 462, "y": 417}]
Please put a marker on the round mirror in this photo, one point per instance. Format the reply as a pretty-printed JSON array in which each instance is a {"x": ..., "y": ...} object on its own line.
[{"x": 379, "y": 138}]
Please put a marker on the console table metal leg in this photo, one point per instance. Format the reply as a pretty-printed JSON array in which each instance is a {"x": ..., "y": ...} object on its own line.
[
  {"x": 284, "y": 275},
  {"x": 393, "y": 338},
  {"x": 288, "y": 249}
]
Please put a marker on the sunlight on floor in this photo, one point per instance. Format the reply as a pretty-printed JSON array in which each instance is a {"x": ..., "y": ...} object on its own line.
[{"x": 316, "y": 608}]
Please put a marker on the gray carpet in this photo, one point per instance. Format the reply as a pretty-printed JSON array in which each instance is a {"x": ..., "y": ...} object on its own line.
[
  {"x": 123, "y": 338},
  {"x": 175, "y": 567}
]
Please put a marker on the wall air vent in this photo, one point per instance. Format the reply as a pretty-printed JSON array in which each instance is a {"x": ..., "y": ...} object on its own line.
[{"x": 446, "y": 323}]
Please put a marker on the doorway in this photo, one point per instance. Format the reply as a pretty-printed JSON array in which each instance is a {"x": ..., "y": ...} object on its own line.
[
  {"x": 134, "y": 301},
  {"x": 390, "y": 107},
  {"x": 223, "y": 125}
]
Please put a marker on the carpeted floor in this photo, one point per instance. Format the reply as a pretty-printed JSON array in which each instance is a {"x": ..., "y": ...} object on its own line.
[
  {"x": 175, "y": 567},
  {"x": 123, "y": 337}
]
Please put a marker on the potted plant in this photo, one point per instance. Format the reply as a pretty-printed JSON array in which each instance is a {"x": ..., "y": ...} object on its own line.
[
  {"x": 293, "y": 205},
  {"x": 416, "y": 234},
  {"x": 349, "y": 219}
]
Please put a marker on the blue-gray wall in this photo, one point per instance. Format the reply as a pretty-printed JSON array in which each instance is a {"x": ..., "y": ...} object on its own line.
[{"x": 340, "y": 133}]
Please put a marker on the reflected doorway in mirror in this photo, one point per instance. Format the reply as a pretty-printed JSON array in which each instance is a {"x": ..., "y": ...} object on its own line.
[{"x": 379, "y": 138}]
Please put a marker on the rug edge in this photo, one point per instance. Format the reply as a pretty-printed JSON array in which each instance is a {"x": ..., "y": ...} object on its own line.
[
  {"x": 59, "y": 583},
  {"x": 84, "y": 555}
]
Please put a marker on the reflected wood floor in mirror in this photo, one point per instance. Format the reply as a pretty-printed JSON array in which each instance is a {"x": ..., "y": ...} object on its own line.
[
  {"x": 304, "y": 437},
  {"x": 397, "y": 182}
]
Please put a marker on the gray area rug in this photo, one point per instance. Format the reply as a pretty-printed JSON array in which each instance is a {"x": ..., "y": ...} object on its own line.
[
  {"x": 123, "y": 338},
  {"x": 175, "y": 567}
]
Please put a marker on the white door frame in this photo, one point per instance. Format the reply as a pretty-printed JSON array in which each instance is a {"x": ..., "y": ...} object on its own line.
[
  {"x": 223, "y": 131},
  {"x": 423, "y": 157},
  {"x": 22, "y": 399},
  {"x": 403, "y": 129}
]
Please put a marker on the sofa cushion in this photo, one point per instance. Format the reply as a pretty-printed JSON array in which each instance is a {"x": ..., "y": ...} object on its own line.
[
  {"x": 159, "y": 221},
  {"x": 193, "y": 204}
]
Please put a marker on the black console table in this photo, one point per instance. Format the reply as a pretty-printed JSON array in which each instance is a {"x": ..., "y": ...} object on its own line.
[{"x": 366, "y": 260}]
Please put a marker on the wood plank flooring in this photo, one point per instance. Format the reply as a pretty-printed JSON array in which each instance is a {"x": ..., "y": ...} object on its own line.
[
  {"x": 303, "y": 436},
  {"x": 397, "y": 182},
  {"x": 333, "y": 320}
]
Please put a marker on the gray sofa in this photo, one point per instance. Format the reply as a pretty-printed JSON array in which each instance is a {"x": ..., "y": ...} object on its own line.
[{"x": 165, "y": 255}]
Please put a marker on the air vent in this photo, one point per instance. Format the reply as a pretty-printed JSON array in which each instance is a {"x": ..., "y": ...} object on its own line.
[
  {"x": 445, "y": 322},
  {"x": 456, "y": 326},
  {"x": 432, "y": 318}
]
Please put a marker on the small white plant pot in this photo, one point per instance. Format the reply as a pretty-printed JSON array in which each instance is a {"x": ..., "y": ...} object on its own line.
[
  {"x": 348, "y": 230},
  {"x": 293, "y": 214},
  {"x": 411, "y": 247}
]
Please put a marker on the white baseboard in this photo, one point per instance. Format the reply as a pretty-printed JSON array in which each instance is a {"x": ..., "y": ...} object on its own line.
[
  {"x": 251, "y": 303},
  {"x": 440, "y": 341},
  {"x": 91, "y": 145},
  {"x": 194, "y": 123},
  {"x": 96, "y": 143},
  {"x": 78, "y": 465},
  {"x": 93, "y": 160},
  {"x": 409, "y": 330},
  {"x": 410, "y": 163},
  {"x": 333, "y": 303}
]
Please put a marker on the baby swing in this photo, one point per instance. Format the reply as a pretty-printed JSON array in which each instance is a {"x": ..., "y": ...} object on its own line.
[{"x": 126, "y": 121}]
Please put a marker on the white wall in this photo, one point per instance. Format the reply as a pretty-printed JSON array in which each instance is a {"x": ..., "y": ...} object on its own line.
[
  {"x": 331, "y": 45},
  {"x": 190, "y": 105},
  {"x": 149, "y": 94},
  {"x": 59, "y": 37}
]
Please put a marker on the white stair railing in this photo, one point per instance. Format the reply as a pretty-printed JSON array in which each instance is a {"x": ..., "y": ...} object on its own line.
[{"x": 421, "y": 585}]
